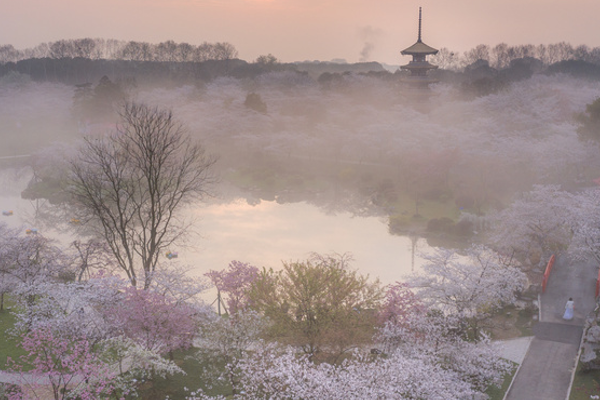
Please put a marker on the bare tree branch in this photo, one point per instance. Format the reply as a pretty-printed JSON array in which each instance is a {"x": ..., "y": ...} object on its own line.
[{"x": 131, "y": 186}]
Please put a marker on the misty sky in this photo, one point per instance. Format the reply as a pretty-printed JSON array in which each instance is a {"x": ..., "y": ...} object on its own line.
[{"x": 297, "y": 30}]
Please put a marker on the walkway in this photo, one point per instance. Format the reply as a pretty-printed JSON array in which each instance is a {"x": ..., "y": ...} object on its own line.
[{"x": 548, "y": 366}]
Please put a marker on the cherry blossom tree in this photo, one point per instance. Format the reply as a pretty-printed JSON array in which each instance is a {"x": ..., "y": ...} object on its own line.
[
  {"x": 401, "y": 310},
  {"x": 154, "y": 321},
  {"x": 27, "y": 261},
  {"x": 227, "y": 340},
  {"x": 586, "y": 225},
  {"x": 445, "y": 338},
  {"x": 71, "y": 367},
  {"x": 468, "y": 286},
  {"x": 537, "y": 223},
  {"x": 400, "y": 304},
  {"x": 74, "y": 309},
  {"x": 448, "y": 341},
  {"x": 235, "y": 281},
  {"x": 177, "y": 283},
  {"x": 95, "y": 310},
  {"x": 272, "y": 374},
  {"x": 30, "y": 258}
]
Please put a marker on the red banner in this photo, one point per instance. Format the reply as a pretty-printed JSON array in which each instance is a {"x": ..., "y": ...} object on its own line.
[
  {"x": 547, "y": 274},
  {"x": 598, "y": 285}
]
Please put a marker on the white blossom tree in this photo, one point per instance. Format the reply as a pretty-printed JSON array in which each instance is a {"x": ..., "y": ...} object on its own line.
[
  {"x": 28, "y": 260},
  {"x": 272, "y": 374},
  {"x": 586, "y": 225},
  {"x": 468, "y": 286},
  {"x": 228, "y": 339},
  {"x": 73, "y": 309},
  {"x": 538, "y": 223}
]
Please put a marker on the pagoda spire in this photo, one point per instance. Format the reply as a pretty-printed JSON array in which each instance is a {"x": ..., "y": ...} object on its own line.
[{"x": 419, "y": 39}]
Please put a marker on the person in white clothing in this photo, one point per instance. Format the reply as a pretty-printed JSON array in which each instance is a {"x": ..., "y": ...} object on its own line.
[{"x": 569, "y": 310}]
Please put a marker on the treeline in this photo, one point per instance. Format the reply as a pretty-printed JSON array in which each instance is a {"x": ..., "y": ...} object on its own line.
[
  {"x": 501, "y": 55},
  {"x": 74, "y": 71},
  {"x": 77, "y": 61},
  {"x": 111, "y": 49}
]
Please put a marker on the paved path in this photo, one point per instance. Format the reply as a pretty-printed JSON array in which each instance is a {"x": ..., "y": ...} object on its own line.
[{"x": 549, "y": 363}]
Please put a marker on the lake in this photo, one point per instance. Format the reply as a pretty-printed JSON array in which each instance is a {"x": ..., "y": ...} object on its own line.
[{"x": 264, "y": 233}]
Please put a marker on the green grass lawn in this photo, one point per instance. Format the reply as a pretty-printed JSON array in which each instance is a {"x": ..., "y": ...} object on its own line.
[
  {"x": 585, "y": 385},
  {"x": 497, "y": 393},
  {"x": 8, "y": 344},
  {"x": 175, "y": 386}
]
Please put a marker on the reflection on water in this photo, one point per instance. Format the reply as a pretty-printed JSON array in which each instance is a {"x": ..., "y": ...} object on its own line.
[
  {"x": 269, "y": 232},
  {"x": 265, "y": 233}
]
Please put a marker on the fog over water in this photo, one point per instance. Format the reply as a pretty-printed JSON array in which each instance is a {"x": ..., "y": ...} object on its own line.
[{"x": 313, "y": 169}]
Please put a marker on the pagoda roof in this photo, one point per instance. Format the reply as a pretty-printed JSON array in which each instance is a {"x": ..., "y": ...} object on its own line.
[
  {"x": 419, "y": 48},
  {"x": 418, "y": 65}
]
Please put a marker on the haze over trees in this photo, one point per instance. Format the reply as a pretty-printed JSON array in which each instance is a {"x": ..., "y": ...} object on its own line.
[{"x": 498, "y": 147}]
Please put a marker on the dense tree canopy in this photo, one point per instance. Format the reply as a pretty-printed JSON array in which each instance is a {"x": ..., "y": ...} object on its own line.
[
  {"x": 590, "y": 121},
  {"x": 320, "y": 305}
]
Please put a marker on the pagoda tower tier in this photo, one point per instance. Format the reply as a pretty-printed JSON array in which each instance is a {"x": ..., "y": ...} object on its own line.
[{"x": 419, "y": 66}]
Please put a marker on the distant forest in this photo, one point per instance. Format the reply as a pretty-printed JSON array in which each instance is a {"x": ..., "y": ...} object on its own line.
[{"x": 481, "y": 70}]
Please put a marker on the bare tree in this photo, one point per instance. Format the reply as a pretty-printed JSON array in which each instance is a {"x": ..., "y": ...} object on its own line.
[
  {"x": 130, "y": 187},
  {"x": 84, "y": 47},
  {"x": 446, "y": 59},
  {"x": 500, "y": 56},
  {"x": 480, "y": 52},
  {"x": 62, "y": 49},
  {"x": 8, "y": 54},
  {"x": 166, "y": 51},
  {"x": 137, "y": 51},
  {"x": 203, "y": 52},
  {"x": 184, "y": 52},
  {"x": 224, "y": 51}
]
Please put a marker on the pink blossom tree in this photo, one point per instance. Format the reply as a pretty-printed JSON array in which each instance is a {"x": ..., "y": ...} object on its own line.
[
  {"x": 235, "y": 281},
  {"x": 71, "y": 367},
  {"x": 154, "y": 321},
  {"x": 400, "y": 304},
  {"x": 401, "y": 310}
]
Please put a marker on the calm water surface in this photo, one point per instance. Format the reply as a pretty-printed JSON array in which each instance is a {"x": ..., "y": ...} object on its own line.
[{"x": 264, "y": 234}]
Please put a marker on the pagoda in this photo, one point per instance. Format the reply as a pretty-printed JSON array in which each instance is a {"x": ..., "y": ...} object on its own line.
[{"x": 419, "y": 66}]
